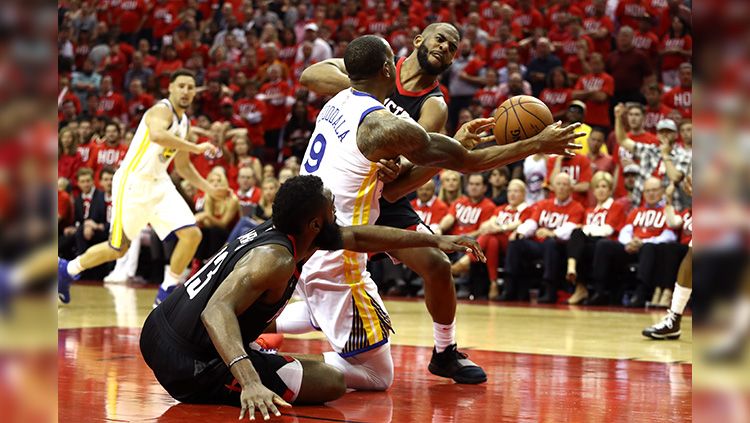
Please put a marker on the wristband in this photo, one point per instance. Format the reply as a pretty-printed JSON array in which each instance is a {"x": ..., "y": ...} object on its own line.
[{"x": 237, "y": 360}]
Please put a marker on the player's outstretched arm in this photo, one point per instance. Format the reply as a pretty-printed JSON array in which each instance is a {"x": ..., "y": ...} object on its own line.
[
  {"x": 262, "y": 269},
  {"x": 382, "y": 136},
  {"x": 371, "y": 238},
  {"x": 158, "y": 120},
  {"x": 326, "y": 78}
]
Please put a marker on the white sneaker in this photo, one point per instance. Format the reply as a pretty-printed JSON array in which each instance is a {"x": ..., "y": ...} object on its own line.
[{"x": 115, "y": 278}]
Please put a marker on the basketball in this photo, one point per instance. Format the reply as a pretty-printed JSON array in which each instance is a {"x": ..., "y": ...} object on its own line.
[{"x": 520, "y": 117}]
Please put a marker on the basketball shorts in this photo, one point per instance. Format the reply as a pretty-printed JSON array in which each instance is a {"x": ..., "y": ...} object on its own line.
[
  {"x": 208, "y": 380},
  {"x": 139, "y": 201},
  {"x": 344, "y": 303}
]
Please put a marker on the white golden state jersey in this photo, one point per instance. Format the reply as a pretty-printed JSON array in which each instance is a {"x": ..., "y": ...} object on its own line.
[{"x": 147, "y": 159}]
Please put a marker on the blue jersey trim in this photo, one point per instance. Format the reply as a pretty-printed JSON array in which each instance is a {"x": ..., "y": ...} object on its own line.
[{"x": 370, "y": 110}]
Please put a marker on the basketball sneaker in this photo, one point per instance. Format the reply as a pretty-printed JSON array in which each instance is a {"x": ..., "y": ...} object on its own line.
[
  {"x": 162, "y": 294},
  {"x": 668, "y": 328},
  {"x": 269, "y": 342},
  {"x": 64, "y": 279},
  {"x": 455, "y": 365}
]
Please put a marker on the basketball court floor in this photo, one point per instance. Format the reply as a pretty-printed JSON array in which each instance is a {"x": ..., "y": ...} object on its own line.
[{"x": 544, "y": 364}]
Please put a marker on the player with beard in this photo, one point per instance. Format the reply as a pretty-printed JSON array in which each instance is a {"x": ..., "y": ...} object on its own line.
[
  {"x": 418, "y": 96},
  {"x": 198, "y": 341}
]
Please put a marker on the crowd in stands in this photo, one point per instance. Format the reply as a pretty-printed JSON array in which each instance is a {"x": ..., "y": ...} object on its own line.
[{"x": 592, "y": 225}]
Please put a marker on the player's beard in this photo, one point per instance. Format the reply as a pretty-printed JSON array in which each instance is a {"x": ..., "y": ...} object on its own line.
[
  {"x": 329, "y": 237},
  {"x": 425, "y": 64}
]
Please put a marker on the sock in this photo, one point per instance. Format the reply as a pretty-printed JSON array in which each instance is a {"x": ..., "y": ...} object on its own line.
[
  {"x": 170, "y": 279},
  {"x": 444, "y": 335},
  {"x": 74, "y": 267},
  {"x": 680, "y": 297},
  {"x": 741, "y": 323}
]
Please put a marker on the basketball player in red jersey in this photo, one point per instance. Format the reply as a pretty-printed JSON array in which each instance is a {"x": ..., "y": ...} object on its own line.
[{"x": 418, "y": 96}]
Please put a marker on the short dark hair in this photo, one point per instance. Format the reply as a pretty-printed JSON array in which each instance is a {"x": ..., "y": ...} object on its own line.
[
  {"x": 84, "y": 171},
  {"x": 181, "y": 72},
  {"x": 482, "y": 175},
  {"x": 364, "y": 56},
  {"x": 107, "y": 169},
  {"x": 298, "y": 200}
]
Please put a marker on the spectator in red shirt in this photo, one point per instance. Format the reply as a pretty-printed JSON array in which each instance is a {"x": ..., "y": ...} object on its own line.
[
  {"x": 149, "y": 60},
  {"x": 429, "y": 207},
  {"x": 600, "y": 27},
  {"x": 111, "y": 103},
  {"x": 578, "y": 168},
  {"x": 558, "y": 93},
  {"x": 469, "y": 211},
  {"x": 640, "y": 240},
  {"x": 68, "y": 158},
  {"x": 274, "y": 93},
  {"x": 681, "y": 97},
  {"x": 528, "y": 17},
  {"x": 676, "y": 48},
  {"x": 168, "y": 63},
  {"x": 629, "y": 67},
  {"x": 489, "y": 96},
  {"x": 248, "y": 191},
  {"x": 596, "y": 89},
  {"x": 578, "y": 64},
  {"x": 603, "y": 221},
  {"x": 646, "y": 40},
  {"x": 655, "y": 109},
  {"x": 628, "y": 12},
  {"x": 137, "y": 98},
  {"x": 543, "y": 235},
  {"x": 110, "y": 153},
  {"x": 252, "y": 112},
  {"x": 597, "y": 152}
]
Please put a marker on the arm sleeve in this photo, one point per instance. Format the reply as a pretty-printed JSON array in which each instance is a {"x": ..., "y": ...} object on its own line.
[
  {"x": 527, "y": 228},
  {"x": 626, "y": 234},
  {"x": 667, "y": 235},
  {"x": 563, "y": 232},
  {"x": 598, "y": 230}
]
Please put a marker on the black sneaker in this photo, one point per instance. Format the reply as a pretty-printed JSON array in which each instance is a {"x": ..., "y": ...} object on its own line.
[
  {"x": 668, "y": 328},
  {"x": 453, "y": 364}
]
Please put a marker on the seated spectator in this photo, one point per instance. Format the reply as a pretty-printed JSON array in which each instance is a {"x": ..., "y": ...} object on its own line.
[
  {"x": 268, "y": 172},
  {"x": 248, "y": 193},
  {"x": 297, "y": 131},
  {"x": 494, "y": 233},
  {"x": 498, "y": 191},
  {"x": 541, "y": 65},
  {"x": 515, "y": 86},
  {"x": 109, "y": 153},
  {"x": 265, "y": 206},
  {"x": 543, "y": 235},
  {"x": 603, "y": 221},
  {"x": 450, "y": 187},
  {"x": 64, "y": 206},
  {"x": 241, "y": 155},
  {"x": 676, "y": 48},
  {"x": 629, "y": 175},
  {"x": 468, "y": 212},
  {"x": 68, "y": 158},
  {"x": 429, "y": 207},
  {"x": 513, "y": 58},
  {"x": 217, "y": 218},
  {"x": 597, "y": 152},
  {"x": 489, "y": 96},
  {"x": 578, "y": 168},
  {"x": 672, "y": 252},
  {"x": 284, "y": 174},
  {"x": 557, "y": 94},
  {"x": 640, "y": 240},
  {"x": 680, "y": 97},
  {"x": 535, "y": 173}
]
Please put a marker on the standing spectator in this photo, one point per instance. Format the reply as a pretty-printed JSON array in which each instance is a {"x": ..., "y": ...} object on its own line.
[
  {"x": 515, "y": 86},
  {"x": 639, "y": 240},
  {"x": 543, "y": 235},
  {"x": 597, "y": 152},
  {"x": 298, "y": 130},
  {"x": 138, "y": 71},
  {"x": 578, "y": 168},
  {"x": 541, "y": 65},
  {"x": 86, "y": 82},
  {"x": 112, "y": 103},
  {"x": 168, "y": 63},
  {"x": 450, "y": 187},
  {"x": 528, "y": 17},
  {"x": 138, "y": 99},
  {"x": 557, "y": 94},
  {"x": 252, "y": 110},
  {"x": 655, "y": 109},
  {"x": 489, "y": 95},
  {"x": 629, "y": 67},
  {"x": 429, "y": 207},
  {"x": 67, "y": 116},
  {"x": 513, "y": 59},
  {"x": 600, "y": 27},
  {"x": 274, "y": 93},
  {"x": 321, "y": 50},
  {"x": 623, "y": 156},
  {"x": 464, "y": 80},
  {"x": 110, "y": 153},
  {"x": 646, "y": 40},
  {"x": 603, "y": 221},
  {"x": 629, "y": 12},
  {"x": 468, "y": 212},
  {"x": 676, "y": 48},
  {"x": 681, "y": 97},
  {"x": 596, "y": 89},
  {"x": 217, "y": 218}
]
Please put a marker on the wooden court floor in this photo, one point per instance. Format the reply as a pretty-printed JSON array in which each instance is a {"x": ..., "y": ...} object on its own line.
[{"x": 544, "y": 364}]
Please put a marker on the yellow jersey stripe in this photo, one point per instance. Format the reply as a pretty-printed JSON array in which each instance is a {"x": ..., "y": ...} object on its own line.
[
  {"x": 116, "y": 239},
  {"x": 367, "y": 312}
]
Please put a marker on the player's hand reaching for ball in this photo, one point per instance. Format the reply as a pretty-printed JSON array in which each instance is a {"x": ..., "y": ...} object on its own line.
[
  {"x": 554, "y": 139},
  {"x": 469, "y": 135},
  {"x": 206, "y": 147},
  {"x": 256, "y": 395},
  {"x": 450, "y": 243}
]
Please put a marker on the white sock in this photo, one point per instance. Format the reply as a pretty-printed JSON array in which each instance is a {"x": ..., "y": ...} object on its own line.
[
  {"x": 741, "y": 323},
  {"x": 444, "y": 335},
  {"x": 74, "y": 267},
  {"x": 170, "y": 279},
  {"x": 680, "y": 297}
]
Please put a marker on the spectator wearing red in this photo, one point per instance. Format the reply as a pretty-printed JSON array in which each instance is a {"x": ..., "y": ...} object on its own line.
[
  {"x": 130, "y": 17},
  {"x": 115, "y": 64},
  {"x": 205, "y": 162},
  {"x": 68, "y": 158},
  {"x": 275, "y": 93},
  {"x": 599, "y": 27},
  {"x": 67, "y": 114},
  {"x": 248, "y": 191},
  {"x": 138, "y": 99},
  {"x": 645, "y": 40},
  {"x": 252, "y": 112},
  {"x": 149, "y": 60},
  {"x": 656, "y": 110},
  {"x": 429, "y": 207},
  {"x": 164, "y": 19},
  {"x": 641, "y": 240},
  {"x": 561, "y": 13},
  {"x": 603, "y": 221},
  {"x": 64, "y": 210},
  {"x": 465, "y": 80},
  {"x": 468, "y": 212},
  {"x": 494, "y": 233},
  {"x": 65, "y": 94},
  {"x": 629, "y": 67},
  {"x": 672, "y": 253},
  {"x": 558, "y": 93},
  {"x": 168, "y": 63},
  {"x": 578, "y": 168},
  {"x": 596, "y": 89},
  {"x": 272, "y": 58},
  {"x": 543, "y": 236},
  {"x": 210, "y": 99},
  {"x": 377, "y": 23},
  {"x": 489, "y": 96},
  {"x": 241, "y": 156},
  {"x": 681, "y": 97},
  {"x": 578, "y": 64},
  {"x": 597, "y": 153},
  {"x": 628, "y": 12},
  {"x": 635, "y": 118},
  {"x": 675, "y": 8},
  {"x": 528, "y": 17},
  {"x": 676, "y": 48},
  {"x": 110, "y": 153}
]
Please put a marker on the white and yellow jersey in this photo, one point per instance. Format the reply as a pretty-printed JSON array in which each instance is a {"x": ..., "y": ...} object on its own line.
[
  {"x": 146, "y": 159},
  {"x": 336, "y": 284}
]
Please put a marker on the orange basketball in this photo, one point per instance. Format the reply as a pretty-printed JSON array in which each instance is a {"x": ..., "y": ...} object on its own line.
[{"x": 520, "y": 117}]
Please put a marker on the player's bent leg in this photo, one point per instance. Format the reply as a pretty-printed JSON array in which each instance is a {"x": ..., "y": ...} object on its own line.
[
  {"x": 295, "y": 319},
  {"x": 100, "y": 253},
  {"x": 320, "y": 383},
  {"x": 367, "y": 371},
  {"x": 188, "y": 239}
]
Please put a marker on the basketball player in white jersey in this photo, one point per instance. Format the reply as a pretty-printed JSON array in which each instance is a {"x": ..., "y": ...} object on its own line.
[
  {"x": 353, "y": 133},
  {"x": 144, "y": 193}
]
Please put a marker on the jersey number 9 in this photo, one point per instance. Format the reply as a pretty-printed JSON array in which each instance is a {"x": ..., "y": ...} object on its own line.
[{"x": 315, "y": 154}]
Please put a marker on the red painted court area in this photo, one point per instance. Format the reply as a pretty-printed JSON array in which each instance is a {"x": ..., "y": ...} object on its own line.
[{"x": 103, "y": 378}]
